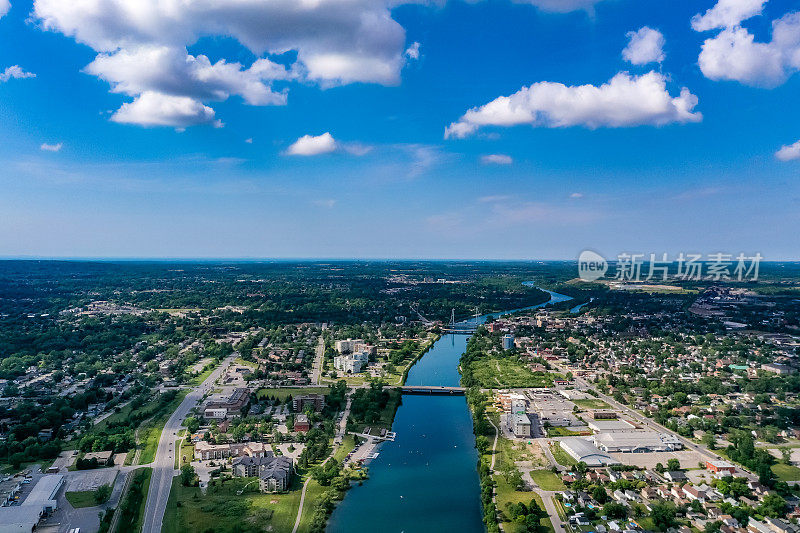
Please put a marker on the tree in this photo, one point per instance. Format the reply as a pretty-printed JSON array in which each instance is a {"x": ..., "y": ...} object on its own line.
[
  {"x": 192, "y": 424},
  {"x": 772, "y": 505},
  {"x": 615, "y": 510},
  {"x": 663, "y": 515},
  {"x": 673, "y": 464},
  {"x": 102, "y": 494},
  {"x": 600, "y": 494},
  {"x": 659, "y": 468},
  {"x": 187, "y": 475},
  {"x": 482, "y": 443}
]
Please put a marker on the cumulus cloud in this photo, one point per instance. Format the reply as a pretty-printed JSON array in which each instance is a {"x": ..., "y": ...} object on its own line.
[
  {"x": 51, "y": 147},
  {"x": 789, "y": 152},
  {"x": 15, "y": 72},
  {"x": 645, "y": 45},
  {"x": 412, "y": 52},
  {"x": 310, "y": 145},
  {"x": 726, "y": 14},
  {"x": 5, "y": 5},
  {"x": 157, "y": 109},
  {"x": 142, "y": 44},
  {"x": 734, "y": 54},
  {"x": 496, "y": 159},
  {"x": 172, "y": 71},
  {"x": 622, "y": 102}
]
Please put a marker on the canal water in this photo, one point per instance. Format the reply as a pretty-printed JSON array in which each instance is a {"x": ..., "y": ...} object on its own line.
[{"x": 427, "y": 479}]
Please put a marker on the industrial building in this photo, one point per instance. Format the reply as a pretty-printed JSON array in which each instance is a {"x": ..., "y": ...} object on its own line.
[
  {"x": 39, "y": 503},
  {"x": 637, "y": 442},
  {"x": 583, "y": 450}
]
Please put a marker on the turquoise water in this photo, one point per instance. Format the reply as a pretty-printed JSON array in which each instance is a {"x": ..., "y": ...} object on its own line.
[{"x": 426, "y": 480}]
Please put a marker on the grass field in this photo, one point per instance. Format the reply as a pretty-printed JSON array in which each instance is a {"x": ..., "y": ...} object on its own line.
[
  {"x": 347, "y": 446},
  {"x": 282, "y": 393},
  {"x": 223, "y": 511},
  {"x": 786, "y": 472},
  {"x": 564, "y": 432},
  {"x": 150, "y": 431},
  {"x": 504, "y": 372},
  {"x": 591, "y": 403},
  {"x": 547, "y": 480},
  {"x": 562, "y": 457},
  {"x": 80, "y": 499}
]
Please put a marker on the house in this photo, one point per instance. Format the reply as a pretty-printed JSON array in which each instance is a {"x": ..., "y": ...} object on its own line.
[
  {"x": 233, "y": 405},
  {"x": 720, "y": 467},
  {"x": 675, "y": 475},
  {"x": 301, "y": 423}
]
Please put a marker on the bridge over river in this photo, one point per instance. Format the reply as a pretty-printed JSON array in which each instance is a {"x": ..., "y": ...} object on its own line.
[{"x": 432, "y": 389}]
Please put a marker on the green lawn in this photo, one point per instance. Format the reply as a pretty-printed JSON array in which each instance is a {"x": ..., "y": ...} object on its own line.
[
  {"x": 282, "y": 393},
  {"x": 562, "y": 457},
  {"x": 80, "y": 499},
  {"x": 786, "y": 472},
  {"x": 547, "y": 480},
  {"x": 563, "y": 432},
  {"x": 506, "y": 494},
  {"x": 347, "y": 446},
  {"x": 222, "y": 510},
  {"x": 150, "y": 431},
  {"x": 506, "y": 372},
  {"x": 591, "y": 403}
]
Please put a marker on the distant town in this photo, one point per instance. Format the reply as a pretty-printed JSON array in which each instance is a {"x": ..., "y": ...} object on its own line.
[{"x": 173, "y": 397}]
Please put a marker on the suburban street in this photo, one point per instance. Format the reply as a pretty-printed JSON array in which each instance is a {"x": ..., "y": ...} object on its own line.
[
  {"x": 317, "y": 370},
  {"x": 164, "y": 464}
]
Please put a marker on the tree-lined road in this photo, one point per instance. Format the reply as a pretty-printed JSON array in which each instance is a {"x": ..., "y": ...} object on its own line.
[{"x": 164, "y": 464}]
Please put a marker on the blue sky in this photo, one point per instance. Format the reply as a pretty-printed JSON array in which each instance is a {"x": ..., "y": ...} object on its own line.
[{"x": 117, "y": 148}]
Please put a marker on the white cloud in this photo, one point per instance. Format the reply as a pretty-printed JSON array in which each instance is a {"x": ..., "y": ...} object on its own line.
[
  {"x": 645, "y": 45},
  {"x": 576, "y": 195},
  {"x": 622, "y": 102},
  {"x": 412, "y": 52},
  {"x": 158, "y": 109},
  {"x": 789, "y": 152},
  {"x": 494, "y": 198},
  {"x": 734, "y": 54},
  {"x": 311, "y": 145},
  {"x": 51, "y": 147},
  {"x": 496, "y": 159},
  {"x": 727, "y": 14},
  {"x": 562, "y": 6},
  {"x": 249, "y": 141},
  {"x": 338, "y": 41},
  {"x": 328, "y": 202},
  {"x": 5, "y": 5},
  {"x": 171, "y": 70},
  {"x": 15, "y": 72}
]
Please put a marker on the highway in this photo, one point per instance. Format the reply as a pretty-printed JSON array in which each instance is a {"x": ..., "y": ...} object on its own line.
[{"x": 164, "y": 464}]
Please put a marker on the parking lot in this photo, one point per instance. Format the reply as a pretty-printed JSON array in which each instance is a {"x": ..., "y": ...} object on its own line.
[{"x": 91, "y": 479}]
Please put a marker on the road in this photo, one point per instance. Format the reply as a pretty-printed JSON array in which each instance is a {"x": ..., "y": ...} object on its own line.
[
  {"x": 317, "y": 371},
  {"x": 550, "y": 507},
  {"x": 164, "y": 464}
]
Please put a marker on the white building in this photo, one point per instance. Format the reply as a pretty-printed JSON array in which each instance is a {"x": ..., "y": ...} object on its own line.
[
  {"x": 40, "y": 502},
  {"x": 583, "y": 450},
  {"x": 352, "y": 363},
  {"x": 637, "y": 442}
]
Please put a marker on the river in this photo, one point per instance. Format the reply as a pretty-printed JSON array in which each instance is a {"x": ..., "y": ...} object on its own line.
[{"x": 427, "y": 479}]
